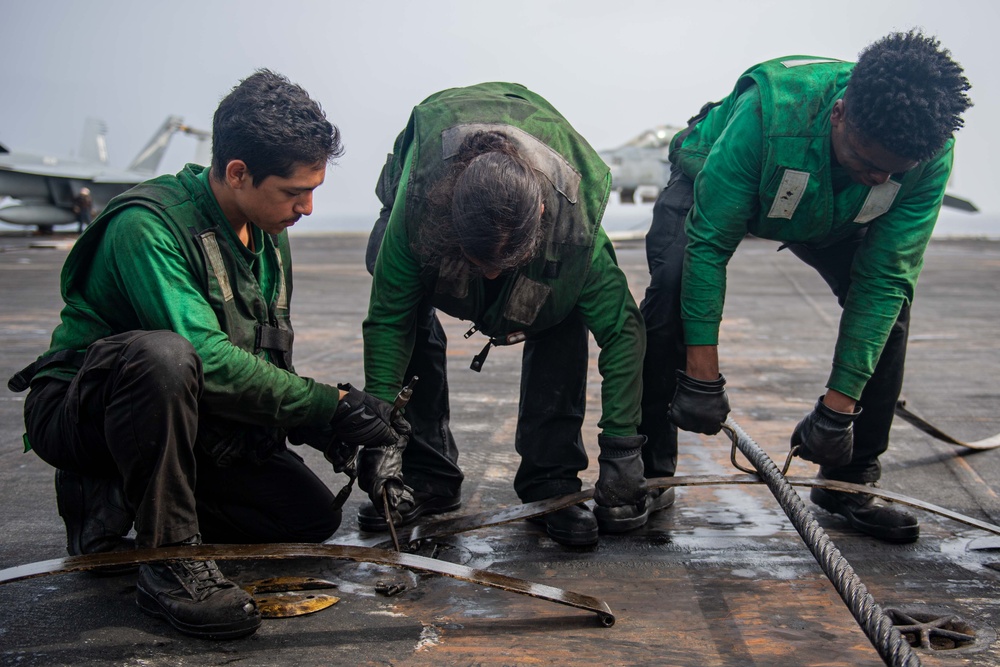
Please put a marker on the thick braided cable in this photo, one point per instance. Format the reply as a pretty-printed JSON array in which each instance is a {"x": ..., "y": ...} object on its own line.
[{"x": 894, "y": 650}]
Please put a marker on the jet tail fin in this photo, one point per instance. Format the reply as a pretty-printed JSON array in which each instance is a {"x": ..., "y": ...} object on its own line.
[
  {"x": 203, "y": 151},
  {"x": 94, "y": 141},
  {"x": 149, "y": 157},
  {"x": 952, "y": 201}
]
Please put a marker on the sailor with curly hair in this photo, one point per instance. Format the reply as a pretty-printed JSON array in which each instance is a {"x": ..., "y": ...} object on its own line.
[{"x": 846, "y": 165}]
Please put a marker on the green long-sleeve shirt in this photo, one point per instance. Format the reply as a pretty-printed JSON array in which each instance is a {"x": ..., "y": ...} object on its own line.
[
  {"x": 133, "y": 272},
  {"x": 605, "y": 304},
  {"x": 728, "y": 204}
]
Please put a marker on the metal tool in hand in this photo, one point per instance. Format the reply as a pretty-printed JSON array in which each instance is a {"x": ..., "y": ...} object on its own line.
[{"x": 402, "y": 398}]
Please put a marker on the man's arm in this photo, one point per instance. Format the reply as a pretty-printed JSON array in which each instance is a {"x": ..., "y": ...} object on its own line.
[
  {"x": 610, "y": 312},
  {"x": 725, "y": 199},
  {"x": 389, "y": 329},
  {"x": 884, "y": 277}
]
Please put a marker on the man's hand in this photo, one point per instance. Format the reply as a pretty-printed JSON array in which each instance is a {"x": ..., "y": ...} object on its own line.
[
  {"x": 826, "y": 436},
  {"x": 621, "y": 480},
  {"x": 325, "y": 439},
  {"x": 699, "y": 406},
  {"x": 382, "y": 468},
  {"x": 361, "y": 420}
]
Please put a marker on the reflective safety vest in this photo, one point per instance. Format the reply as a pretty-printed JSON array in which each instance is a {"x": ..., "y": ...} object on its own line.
[
  {"x": 542, "y": 293},
  {"x": 251, "y": 323},
  {"x": 796, "y": 195}
]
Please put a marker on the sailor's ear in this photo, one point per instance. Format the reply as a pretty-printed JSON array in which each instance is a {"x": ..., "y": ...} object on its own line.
[{"x": 237, "y": 174}]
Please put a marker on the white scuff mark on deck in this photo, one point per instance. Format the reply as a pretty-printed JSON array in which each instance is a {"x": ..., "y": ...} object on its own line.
[
  {"x": 429, "y": 636},
  {"x": 394, "y": 614}
]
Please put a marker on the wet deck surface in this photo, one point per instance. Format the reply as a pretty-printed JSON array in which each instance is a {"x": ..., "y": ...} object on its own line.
[{"x": 720, "y": 579}]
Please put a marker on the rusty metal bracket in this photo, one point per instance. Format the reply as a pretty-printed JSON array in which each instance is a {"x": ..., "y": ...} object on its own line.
[
  {"x": 341, "y": 552},
  {"x": 285, "y": 597}
]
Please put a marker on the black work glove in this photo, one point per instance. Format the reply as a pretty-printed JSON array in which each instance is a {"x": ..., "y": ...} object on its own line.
[
  {"x": 826, "y": 436},
  {"x": 699, "y": 406},
  {"x": 381, "y": 467},
  {"x": 361, "y": 420},
  {"x": 621, "y": 480},
  {"x": 325, "y": 439}
]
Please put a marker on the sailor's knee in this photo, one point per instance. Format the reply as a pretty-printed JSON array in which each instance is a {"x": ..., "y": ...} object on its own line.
[{"x": 165, "y": 355}]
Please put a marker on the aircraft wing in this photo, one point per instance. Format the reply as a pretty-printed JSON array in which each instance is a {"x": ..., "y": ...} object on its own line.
[
  {"x": 951, "y": 201},
  {"x": 120, "y": 176},
  {"x": 51, "y": 168}
]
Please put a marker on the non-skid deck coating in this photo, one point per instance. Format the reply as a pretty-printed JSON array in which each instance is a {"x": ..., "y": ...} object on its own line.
[{"x": 720, "y": 579}]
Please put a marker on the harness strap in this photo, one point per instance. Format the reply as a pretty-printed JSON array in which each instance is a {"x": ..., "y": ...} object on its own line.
[
  {"x": 272, "y": 338},
  {"x": 21, "y": 380}
]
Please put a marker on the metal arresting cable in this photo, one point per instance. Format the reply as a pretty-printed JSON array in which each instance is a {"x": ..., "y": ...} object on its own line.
[{"x": 887, "y": 640}]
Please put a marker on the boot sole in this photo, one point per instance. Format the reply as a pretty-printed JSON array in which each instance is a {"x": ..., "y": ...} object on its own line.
[
  {"x": 608, "y": 523},
  {"x": 565, "y": 538},
  {"x": 897, "y": 534},
  {"x": 236, "y": 630}
]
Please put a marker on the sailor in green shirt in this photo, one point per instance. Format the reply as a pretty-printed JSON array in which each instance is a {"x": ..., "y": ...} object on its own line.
[
  {"x": 492, "y": 205},
  {"x": 168, "y": 389},
  {"x": 846, "y": 165}
]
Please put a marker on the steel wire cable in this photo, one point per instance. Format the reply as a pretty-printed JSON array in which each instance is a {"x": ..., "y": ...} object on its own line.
[{"x": 894, "y": 650}]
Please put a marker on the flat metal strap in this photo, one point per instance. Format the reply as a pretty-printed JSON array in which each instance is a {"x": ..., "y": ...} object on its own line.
[
  {"x": 904, "y": 413},
  {"x": 461, "y": 524},
  {"x": 295, "y": 550}
]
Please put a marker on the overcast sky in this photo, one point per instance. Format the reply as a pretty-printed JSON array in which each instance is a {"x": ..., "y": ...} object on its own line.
[{"x": 612, "y": 68}]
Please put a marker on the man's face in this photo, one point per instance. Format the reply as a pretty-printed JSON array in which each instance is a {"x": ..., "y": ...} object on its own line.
[
  {"x": 867, "y": 162},
  {"x": 277, "y": 203}
]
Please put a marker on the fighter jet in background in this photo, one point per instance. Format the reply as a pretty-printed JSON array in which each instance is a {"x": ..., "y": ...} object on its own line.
[
  {"x": 641, "y": 167},
  {"x": 39, "y": 190}
]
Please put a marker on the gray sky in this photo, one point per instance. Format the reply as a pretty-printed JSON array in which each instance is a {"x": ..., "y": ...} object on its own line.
[{"x": 612, "y": 68}]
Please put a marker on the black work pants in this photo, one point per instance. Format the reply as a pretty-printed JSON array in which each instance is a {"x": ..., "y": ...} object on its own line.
[
  {"x": 549, "y": 418},
  {"x": 132, "y": 412},
  {"x": 665, "y": 351}
]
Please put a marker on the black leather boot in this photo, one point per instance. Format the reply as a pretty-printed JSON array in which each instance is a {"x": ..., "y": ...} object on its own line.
[
  {"x": 372, "y": 521},
  {"x": 882, "y": 520},
  {"x": 629, "y": 517},
  {"x": 195, "y": 597},
  {"x": 574, "y": 526}
]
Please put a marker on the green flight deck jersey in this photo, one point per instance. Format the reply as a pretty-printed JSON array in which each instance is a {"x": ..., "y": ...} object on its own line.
[
  {"x": 575, "y": 269},
  {"x": 761, "y": 164},
  {"x": 162, "y": 256}
]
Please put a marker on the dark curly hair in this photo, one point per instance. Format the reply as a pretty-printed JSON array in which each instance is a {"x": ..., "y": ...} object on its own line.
[
  {"x": 487, "y": 207},
  {"x": 272, "y": 125},
  {"x": 907, "y": 94}
]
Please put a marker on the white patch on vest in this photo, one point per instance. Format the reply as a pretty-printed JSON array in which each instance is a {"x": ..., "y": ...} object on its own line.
[
  {"x": 218, "y": 265},
  {"x": 808, "y": 61},
  {"x": 526, "y": 300},
  {"x": 282, "y": 302},
  {"x": 793, "y": 185},
  {"x": 878, "y": 201}
]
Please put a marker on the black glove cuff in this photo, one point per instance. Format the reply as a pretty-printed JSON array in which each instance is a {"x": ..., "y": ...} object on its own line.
[
  {"x": 706, "y": 386},
  {"x": 619, "y": 447},
  {"x": 839, "y": 418},
  {"x": 349, "y": 402}
]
